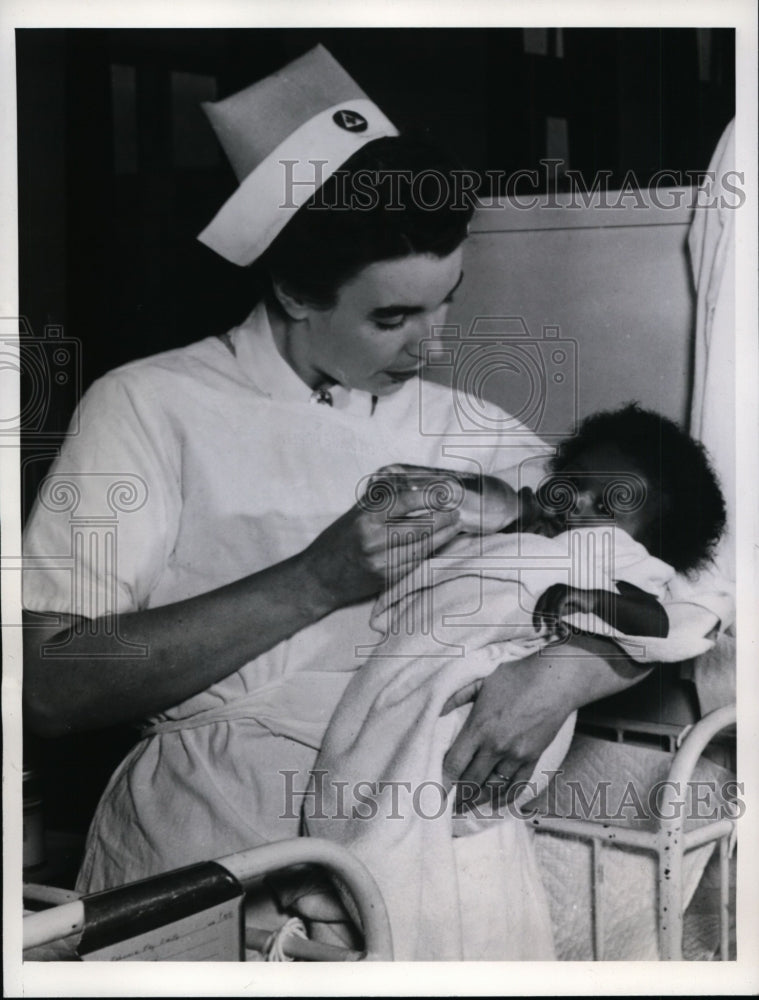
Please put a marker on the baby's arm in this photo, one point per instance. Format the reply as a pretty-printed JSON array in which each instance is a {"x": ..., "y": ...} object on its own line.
[{"x": 632, "y": 611}]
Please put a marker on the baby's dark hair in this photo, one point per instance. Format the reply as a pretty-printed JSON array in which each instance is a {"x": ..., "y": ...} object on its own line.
[{"x": 691, "y": 517}]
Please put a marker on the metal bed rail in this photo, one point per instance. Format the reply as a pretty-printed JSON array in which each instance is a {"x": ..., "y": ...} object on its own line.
[
  {"x": 67, "y": 920},
  {"x": 669, "y": 842}
]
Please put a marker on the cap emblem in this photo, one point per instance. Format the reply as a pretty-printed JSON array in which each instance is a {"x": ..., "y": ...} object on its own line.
[{"x": 351, "y": 121}]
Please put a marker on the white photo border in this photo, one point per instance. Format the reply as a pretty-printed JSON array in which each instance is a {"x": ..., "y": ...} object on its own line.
[{"x": 156, "y": 979}]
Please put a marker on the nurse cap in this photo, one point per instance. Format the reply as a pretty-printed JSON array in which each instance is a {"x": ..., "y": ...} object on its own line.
[{"x": 309, "y": 110}]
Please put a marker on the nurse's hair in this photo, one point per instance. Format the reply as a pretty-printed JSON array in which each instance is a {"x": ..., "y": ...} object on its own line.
[
  {"x": 691, "y": 516},
  {"x": 395, "y": 197}
]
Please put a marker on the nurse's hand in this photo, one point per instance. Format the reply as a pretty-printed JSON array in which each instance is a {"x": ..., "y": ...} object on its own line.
[
  {"x": 366, "y": 549},
  {"x": 516, "y": 714},
  {"x": 520, "y": 707}
]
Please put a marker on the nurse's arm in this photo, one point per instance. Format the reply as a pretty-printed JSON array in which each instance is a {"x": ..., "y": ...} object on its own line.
[
  {"x": 520, "y": 707},
  {"x": 90, "y": 674},
  {"x": 81, "y": 674}
]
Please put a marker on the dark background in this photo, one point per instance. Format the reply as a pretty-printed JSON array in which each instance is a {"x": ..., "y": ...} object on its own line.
[{"x": 119, "y": 171}]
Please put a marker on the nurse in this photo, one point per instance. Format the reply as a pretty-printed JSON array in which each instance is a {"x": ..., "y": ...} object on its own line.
[{"x": 229, "y": 598}]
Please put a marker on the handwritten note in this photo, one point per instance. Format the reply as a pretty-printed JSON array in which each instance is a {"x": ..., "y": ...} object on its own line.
[{"x": 211, "y": 935}]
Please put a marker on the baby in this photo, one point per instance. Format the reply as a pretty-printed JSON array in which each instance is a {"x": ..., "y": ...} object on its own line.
[
  {"x": 630, "y": 467},
  {"x": 655, "y": 482}
]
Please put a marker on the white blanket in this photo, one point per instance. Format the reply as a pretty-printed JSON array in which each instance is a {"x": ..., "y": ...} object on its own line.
[{"x": 478, "y": 895}]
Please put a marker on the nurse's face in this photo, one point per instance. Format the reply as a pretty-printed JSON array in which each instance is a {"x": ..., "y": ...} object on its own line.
[{"x": 370, "y": 339}]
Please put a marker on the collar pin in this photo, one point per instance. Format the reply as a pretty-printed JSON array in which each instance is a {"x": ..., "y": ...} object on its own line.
[{"x": 323, "y": 396}]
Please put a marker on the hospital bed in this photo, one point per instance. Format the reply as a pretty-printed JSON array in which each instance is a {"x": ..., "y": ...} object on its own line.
[
  {"x": 667, "y": 843},
  {"x": 183, "y": 915},
  {"x": 92, "y": 924}
]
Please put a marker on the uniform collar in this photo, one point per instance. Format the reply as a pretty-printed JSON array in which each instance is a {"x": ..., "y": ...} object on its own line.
[{"x": 257, "y": 354}]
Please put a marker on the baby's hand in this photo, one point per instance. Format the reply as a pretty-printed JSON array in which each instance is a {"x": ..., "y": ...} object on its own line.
[
  {"x": 557, "y": 603},
  {"x": 534, "y": 518},
  {"x": 632, "y": 611}
]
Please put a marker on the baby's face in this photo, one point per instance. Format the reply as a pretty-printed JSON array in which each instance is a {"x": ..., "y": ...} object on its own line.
[{"x": 602, "y": 484}]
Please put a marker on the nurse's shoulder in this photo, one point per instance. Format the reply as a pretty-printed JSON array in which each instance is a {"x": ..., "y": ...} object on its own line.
[{"x": 199, "y": 374}]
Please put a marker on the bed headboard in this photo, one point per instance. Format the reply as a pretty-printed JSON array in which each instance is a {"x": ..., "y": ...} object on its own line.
[{"x": 612, "y": 280}]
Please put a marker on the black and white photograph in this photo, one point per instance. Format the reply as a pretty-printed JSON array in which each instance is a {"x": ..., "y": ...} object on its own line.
[{"x": 379, "y": 454}]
